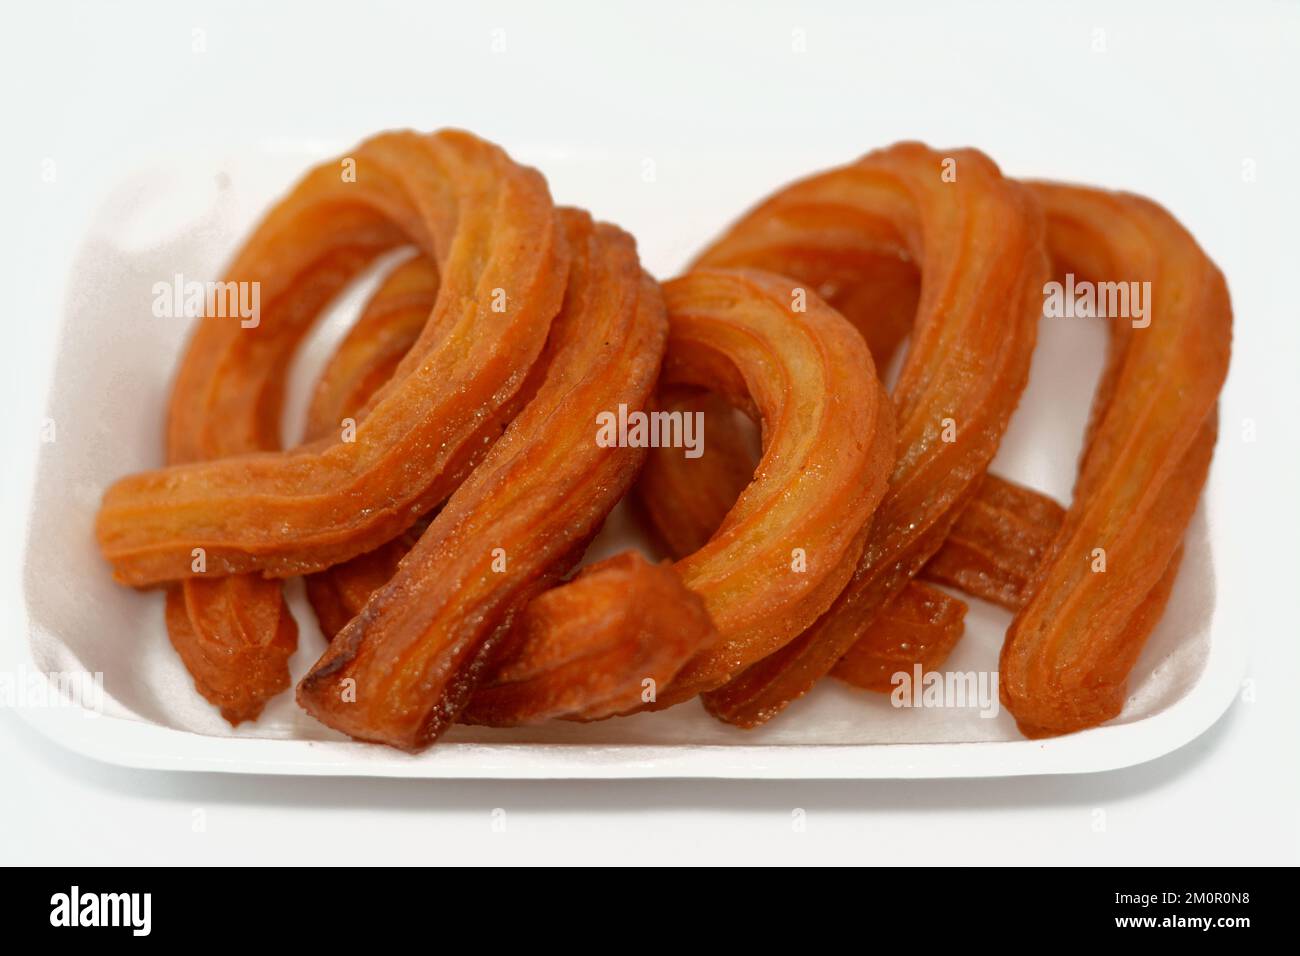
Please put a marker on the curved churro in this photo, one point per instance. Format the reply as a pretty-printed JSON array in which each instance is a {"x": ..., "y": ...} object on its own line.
[
  {"x": 1068, "y": 652},
  {"x": 787, "y": 546},
  {"x": 595, "y": 647},
  {"x": 979, "y": 241},
  {"x": 490, "y": 226}
]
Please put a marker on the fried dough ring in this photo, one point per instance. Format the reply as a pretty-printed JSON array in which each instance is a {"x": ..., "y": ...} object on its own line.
[
  {"x": 490, "y": 226},
  {"x": 920, "y": 626},
  {"x": 596, "y": 646},
  {"x": 235, "y": 636},
  {"x": 1067, "y": 655},
  {"x": 828, "y": 446},
  {"x": 401, "y": 672},
  {"x": 979, "y": 243}
]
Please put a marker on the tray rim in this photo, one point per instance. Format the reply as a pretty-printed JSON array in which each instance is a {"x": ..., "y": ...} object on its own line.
[{"x": 143, "y": 745}]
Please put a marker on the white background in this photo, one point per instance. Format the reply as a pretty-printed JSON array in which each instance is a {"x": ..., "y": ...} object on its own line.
[{"x": 1175, "y": 101}]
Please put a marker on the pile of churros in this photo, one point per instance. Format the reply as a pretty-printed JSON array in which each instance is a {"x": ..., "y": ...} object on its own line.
[{"x": 458, "y": 457}]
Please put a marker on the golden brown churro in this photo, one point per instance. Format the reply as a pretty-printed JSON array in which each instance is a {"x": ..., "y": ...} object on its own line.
[
  {"x": 978, "y": 239},
  {"x": 788, "y": 544},
  {"x": 490, "y": 226},
  {"x": 1069, "y": 650}
]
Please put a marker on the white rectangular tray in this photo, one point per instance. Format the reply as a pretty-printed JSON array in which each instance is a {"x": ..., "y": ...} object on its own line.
[{"x": 186, "y": 212}]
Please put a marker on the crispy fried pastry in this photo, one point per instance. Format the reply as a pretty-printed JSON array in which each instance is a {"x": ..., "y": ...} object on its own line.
[
  {"x": 235, "y": 636},
  {"x": 402, "y": 671},
  {"x": 787, "y": 546},
  {"x": 490, "y": 226},
  {"x": 1068, "y": 652},
  {"x": 920, "y": 626},
  {"x": 978, "y": 239},
  {"x": 598, "y": 646},
  {"x": 998, "y": 542}
]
